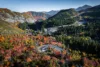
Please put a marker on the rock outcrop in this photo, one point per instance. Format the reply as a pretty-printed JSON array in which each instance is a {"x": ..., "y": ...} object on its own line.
[{"x": 10, "y": 16}]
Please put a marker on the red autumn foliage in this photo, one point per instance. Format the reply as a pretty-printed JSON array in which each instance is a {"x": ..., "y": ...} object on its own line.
[{"x": 46, "y": 58}]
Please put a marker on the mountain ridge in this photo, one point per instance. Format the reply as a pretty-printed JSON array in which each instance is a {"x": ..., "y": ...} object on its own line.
[{"x": 84, "y": 7}]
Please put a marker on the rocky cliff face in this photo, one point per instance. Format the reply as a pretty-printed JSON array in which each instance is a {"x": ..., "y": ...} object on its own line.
[{"x": 10, "y": 16}]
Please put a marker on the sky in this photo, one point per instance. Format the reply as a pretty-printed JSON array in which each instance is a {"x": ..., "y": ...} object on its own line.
[{"x": 44, "y": 5}]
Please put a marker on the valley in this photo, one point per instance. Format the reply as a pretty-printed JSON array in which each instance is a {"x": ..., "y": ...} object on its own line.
[
  {"x": 54, "y": 29},
  {"x": 57, "y": 38}
]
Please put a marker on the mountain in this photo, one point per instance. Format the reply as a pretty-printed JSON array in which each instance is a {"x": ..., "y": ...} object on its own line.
[
  {"x": 38, "y": 15},
  {"x": 63, "y": 17},
  {"x": 52, "y": 12},
  {"x": 11, "y": 16},
  {"x": 30, "y": 16},
  {"x": 41, "y": 15},
  {"x": 83, "y": 7}
]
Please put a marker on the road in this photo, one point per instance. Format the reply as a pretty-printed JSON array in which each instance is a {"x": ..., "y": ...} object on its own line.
[
  {"x": 43, "y": 48},
  {"x": 54, "y": 29}
]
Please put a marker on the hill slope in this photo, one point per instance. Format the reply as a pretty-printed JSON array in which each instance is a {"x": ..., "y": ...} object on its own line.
[{"x": 8, "y": 28}]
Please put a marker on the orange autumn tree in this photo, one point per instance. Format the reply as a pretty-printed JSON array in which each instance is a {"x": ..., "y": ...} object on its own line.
[
  {"x": 2, "y": 38},
  {"x": 46, "y": 57},
  {"x": 28, "y": 59}
]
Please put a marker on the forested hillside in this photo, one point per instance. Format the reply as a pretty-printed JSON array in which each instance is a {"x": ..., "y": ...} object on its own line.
[
  {"x": 64, "y": 17},
  {"x": 92, "y": 13}
]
